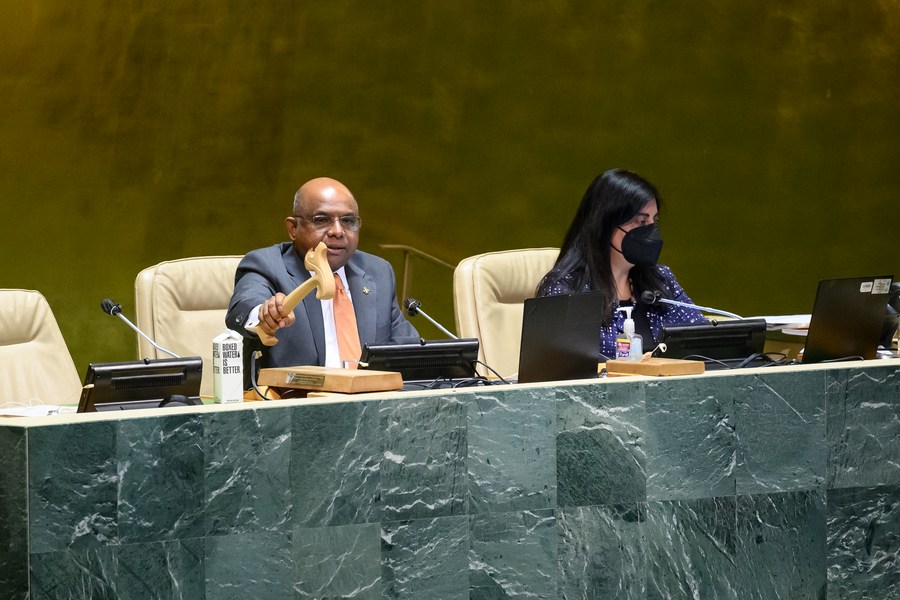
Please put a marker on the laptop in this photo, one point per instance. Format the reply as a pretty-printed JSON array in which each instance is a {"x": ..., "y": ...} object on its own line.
[
  {"x": 560, "y": 338},
  {"x": 847, "y": 318}
]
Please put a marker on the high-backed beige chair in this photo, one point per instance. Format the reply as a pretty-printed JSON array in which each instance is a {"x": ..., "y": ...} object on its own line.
[
  {"x": 181, "y": 304},
  {"x": 35, "y": 364},
  {"x": 489, "y": 292}
]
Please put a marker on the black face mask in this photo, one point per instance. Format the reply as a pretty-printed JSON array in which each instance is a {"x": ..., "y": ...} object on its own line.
[{"x": 641, "y": 246}]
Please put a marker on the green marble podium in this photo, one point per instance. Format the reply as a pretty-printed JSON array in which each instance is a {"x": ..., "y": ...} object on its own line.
[{"x": 777, "y": 483}]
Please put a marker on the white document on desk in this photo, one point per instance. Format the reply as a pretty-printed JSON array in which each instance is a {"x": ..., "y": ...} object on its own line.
[
  {"x": 38, "y": 410},
  {"x": 788, "y": 324}
]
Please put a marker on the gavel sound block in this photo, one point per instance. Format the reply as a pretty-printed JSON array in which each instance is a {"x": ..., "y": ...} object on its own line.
[{"x": 316, "y": 260}]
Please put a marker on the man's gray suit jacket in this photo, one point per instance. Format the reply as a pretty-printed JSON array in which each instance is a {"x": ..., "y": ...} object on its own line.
[{"x": 262, "y": 273}]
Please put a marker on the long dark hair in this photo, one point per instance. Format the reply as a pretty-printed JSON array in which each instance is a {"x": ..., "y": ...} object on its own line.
[{"x": 611, "y": 200}]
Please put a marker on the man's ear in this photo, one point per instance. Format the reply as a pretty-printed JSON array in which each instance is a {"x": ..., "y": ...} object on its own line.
[{"x": 291, "y": 224}]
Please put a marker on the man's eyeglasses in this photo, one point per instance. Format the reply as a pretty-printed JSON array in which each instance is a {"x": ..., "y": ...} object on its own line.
[{"x": 323, "y": 222}]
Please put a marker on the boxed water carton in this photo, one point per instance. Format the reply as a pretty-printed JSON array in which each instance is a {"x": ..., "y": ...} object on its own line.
[{"x": 228, "y": 367}]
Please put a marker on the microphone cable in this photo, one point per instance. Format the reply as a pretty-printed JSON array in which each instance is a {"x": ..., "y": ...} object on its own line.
[
  {"x": 489, "y": 368},
  {"x": 253, "y": 372},
  {"x": 747, "y": 362}
]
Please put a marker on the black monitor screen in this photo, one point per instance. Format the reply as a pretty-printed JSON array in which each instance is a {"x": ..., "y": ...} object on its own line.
[
  {"x": 428, "y": 360},
  {"x": 141, "y": 384},
  {"x": 717, "y": 340}
]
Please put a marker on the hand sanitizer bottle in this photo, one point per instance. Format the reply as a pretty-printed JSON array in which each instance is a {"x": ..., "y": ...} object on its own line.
[{"x": 623, "y": 340}]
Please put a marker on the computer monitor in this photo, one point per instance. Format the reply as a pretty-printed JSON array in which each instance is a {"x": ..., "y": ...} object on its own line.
[
  {"x": 427, "y": 360},
  {"x": 147, "y": 383},
  {"x": 716, "y": 340}
]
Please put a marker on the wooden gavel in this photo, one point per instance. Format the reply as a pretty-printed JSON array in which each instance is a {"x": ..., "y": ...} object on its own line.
[{"x": 316, "y": 260}]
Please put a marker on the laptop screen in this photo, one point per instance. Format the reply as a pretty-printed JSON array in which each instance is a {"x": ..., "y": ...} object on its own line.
[
  {"x": 847, "y": 318},
  {"x": 560, "y": 338}
]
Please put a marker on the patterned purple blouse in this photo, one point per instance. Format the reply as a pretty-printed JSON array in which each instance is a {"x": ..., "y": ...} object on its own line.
[{"x": 657, "y": 316}]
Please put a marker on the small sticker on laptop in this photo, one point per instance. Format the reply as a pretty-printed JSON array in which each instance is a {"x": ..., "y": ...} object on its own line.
[
  {"x": 882, "y": 286},
  {"x": 866, "y": 287}
]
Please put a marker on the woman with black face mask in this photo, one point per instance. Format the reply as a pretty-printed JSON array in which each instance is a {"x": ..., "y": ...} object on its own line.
[{"x": 612, "y": 246}]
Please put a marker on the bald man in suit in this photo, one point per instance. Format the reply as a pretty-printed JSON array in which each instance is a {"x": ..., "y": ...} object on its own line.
[{"x": 324, "y": 211}]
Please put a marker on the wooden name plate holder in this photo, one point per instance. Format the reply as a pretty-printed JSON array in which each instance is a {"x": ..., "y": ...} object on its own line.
[
  {"x": 324, "y": 379},
  {"x": 654, "y": 366}
]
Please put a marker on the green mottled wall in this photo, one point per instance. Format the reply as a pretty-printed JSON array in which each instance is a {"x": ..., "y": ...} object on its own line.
[{"x": 133, "y": 132}]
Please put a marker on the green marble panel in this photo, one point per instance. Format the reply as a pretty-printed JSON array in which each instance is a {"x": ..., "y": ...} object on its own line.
[
  {"x": 13, "y": 513},
  {"x": 161, "y": 570},
  {"x": 73, "y": 486},
  {"x": 863, "y": 427},
  {"x": 247, "y": 471},
  {"x": 513, "y": 555},
  {"x": 780, "y": 425},
  {"x": 337, "y": 562},
  {"x": 863, "y": 543},
  {"x": 600, "y": 455},
  {"x": 425, "y": 558},
  {"x": 368, "y": 499},
  {"x": 690, "y": 438},
  {"x": 74, "y": 574},
  {"x": 335, "y": 464},
  {"x": 160, "y": 463},
  {"x": 423, "y": 472},
  {"x": 691, "y": 549},
  {"x": 252, "y": 565},
  {"x": 601, "y": 552},
  {"x": 781, "y": 546},
  {"x": 512, "y": 451}
]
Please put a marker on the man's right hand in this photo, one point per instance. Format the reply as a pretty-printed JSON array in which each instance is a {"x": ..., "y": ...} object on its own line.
[{"x": 271, "y": 317}]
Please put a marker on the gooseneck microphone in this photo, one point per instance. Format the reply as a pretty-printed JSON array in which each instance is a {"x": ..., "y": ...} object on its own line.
[
  {"x": 413, "y": 308},
  {"x": 655, "y": 297},
  {"x": 111, "y": 308}
]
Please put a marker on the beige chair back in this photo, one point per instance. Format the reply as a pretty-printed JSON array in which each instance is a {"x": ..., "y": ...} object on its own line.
[
  {"x": 181, "y": 304},
  {"x": 35, "y": 364},
  {"x": 489, "y": 292}
]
